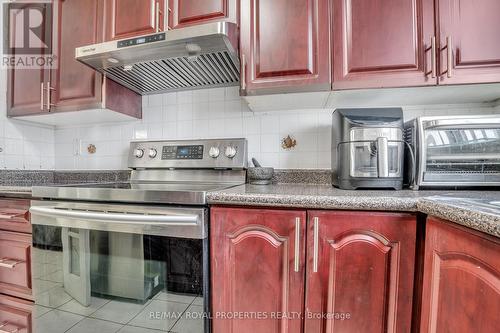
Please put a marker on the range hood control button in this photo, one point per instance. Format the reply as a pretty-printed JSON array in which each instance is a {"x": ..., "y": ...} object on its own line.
[
  {"x": 214, "y": 152},
  {"x": 152, "y": 153},
  {"x": 230, "y": 152},
  {"x": 139, "y": 153}
]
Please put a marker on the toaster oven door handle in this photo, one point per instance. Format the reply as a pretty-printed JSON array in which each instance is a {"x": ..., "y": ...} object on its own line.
[
  {"x": 382, "y": 157},
  {"x": 489, "y": 122},
  {"x": 122, "y": 218}
]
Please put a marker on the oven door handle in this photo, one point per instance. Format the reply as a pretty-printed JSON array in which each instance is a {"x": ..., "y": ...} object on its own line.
[{"x": 126, "y": 218}]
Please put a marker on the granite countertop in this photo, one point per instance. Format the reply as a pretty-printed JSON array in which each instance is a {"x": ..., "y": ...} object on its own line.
[{"x": 468, "y": 208}]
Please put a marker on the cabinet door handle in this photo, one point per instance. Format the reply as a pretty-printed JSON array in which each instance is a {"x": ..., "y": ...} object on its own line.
[
  {"x": 49, "y": 90},
  {"x": 297, "y": 244},
  {"x": 243, "y": 72},
  {"x": 157, "y": 17},
  {"x": 449, "y": 46},
  {"x": 169, "y": 12},
  {"x": 9, "y": 263},
  {"x": 432, "y": 49},
  {"x": 42, "y": 88},
  {"x": 315, "y": 244},
  {"x": 5, "y": 323},
  {"x": 449, "y": 57}
]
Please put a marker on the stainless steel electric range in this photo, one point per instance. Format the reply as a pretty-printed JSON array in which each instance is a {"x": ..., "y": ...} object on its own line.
[{"x": 135, "y": 255}]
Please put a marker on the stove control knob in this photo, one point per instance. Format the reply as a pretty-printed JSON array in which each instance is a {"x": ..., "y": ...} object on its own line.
[
  {"x": 139, "y": 153},
  {"x": 214, "y": 152},
  {"x": 230, "y": 152},
  {"x": 152, "y": 153}
]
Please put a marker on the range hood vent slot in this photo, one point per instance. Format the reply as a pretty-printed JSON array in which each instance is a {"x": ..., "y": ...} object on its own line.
[
  {"x": 184, "y": 59},
  {"x": 174, "y": 74}
]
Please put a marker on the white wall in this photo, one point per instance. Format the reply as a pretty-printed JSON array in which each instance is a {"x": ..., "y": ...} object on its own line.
[
  {"x": 215, "y": 113},
  {"x": 24, "y": 145}
]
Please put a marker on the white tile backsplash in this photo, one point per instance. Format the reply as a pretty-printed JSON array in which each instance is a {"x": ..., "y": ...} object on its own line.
[
  {"x": 215, "y": 113},
  {"x": 209, "y": 113},
  {"x": 23, "y": 145}
]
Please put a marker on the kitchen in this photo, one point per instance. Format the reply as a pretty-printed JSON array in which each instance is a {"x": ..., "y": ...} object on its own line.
[{"x": 237, "y": 166}]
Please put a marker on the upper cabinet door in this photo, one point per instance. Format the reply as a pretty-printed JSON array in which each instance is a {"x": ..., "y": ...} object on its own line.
[
  {"x": 128, "y": 18},
  {"x": 191, "y": 12},
  {"x": 383, "y": 43},
  {"x": 361, "y": 265},
  {"x": 25, "y": 87},
  {"x": 468, "y": 41},
  {"x": 284, "y": 46},
  {"x": 461, "y": 283},
  {"x": 76, "y": 85},
  {"x": 257, "y": 258}
]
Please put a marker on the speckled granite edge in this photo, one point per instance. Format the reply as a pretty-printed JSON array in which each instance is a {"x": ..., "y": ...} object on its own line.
[
  {"x": 25, "y": 177},
  {"x": 314, "y": 201},
  {"x": 473, "y": 218},
  {"x": 77, "y": 177},
  {"x": 302, "y": 176}
]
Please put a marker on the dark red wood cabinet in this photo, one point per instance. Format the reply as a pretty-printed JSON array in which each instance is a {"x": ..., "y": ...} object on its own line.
[
  {"x": 284, "y": 46},
  {"x": 382, "y": 43},
  {"x": 129, "y": 18},
  {"x": 15, "y": 315},
  {"x": 14, "y": 215},
  {"x": 15, "y": 264},
  {"x": 398, "y": 43},
  {"x": 191, "y": 12},
  {"x": 70, "y": 85},
  {"x": 257, "y": 258},
  {"x": 461, "y": 291},
  {"x": 359, "y": 271},
  {"x": 24, "y": 86},
  {"x": 468, "y": 42}
]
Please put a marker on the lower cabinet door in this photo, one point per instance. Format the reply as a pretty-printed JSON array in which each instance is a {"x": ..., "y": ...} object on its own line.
[
  {"x": 461, "y": 291},
  {"x": 360, "y": 272},
  {"x": 257, "y": 270},
  {"x": 15, "y": 315}
]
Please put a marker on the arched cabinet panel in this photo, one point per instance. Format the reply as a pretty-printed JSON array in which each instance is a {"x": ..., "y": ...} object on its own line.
[
  {"x": 359, "y": 275},
  {"x": 461, "y": 290},
  {"x": 257, "y": 267}
]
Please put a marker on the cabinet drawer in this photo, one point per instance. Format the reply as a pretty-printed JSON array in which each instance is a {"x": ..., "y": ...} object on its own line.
[
  {"x": 14, "y": 215},
  {"x": 15, "y": 315},
  {"x": 15, "y": 264}
]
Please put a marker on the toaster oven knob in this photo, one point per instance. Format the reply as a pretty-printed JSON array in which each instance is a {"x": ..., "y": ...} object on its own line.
[
  {"x": 139, "y": 153},
  {"x": 152, "y": 153},
  {"x": 214, "y": 152},
  {"x": 230, "y": 152}
]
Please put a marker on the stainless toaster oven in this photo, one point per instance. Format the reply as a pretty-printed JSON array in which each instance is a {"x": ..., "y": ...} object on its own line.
[{"x": 453, "y": 151}]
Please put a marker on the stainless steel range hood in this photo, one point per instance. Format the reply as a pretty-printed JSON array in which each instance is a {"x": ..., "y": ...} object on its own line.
[{"x": 195, "y": 57}]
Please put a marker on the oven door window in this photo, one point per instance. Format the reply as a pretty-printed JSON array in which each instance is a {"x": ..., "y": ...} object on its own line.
[
  {"x": 459, "y": 153},
  {"x": 104, "y": 281}
]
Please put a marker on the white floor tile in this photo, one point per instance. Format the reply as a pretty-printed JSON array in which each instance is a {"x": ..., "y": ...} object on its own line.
[
  {"x": 55, "y": 321},
  {"x": 159, "y": 315},
  {"x": 53, "y": 298},
  {"x": 39, "y": 310},
  {"x": 75, "y": 307},
  {"x": 191, "y": 322},
  {"x": 90, "y": 325},
  {"x": 135, "y": 329},
  {"x": 118, "y": 312},
  {"x": 171, "y": 297}
]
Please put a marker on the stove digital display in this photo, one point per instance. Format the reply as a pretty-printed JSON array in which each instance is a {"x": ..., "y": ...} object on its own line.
[{"x": 182, "y": 153}]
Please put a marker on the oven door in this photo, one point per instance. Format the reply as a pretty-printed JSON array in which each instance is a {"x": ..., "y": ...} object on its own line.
[{"x": 100, "y": 268}]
